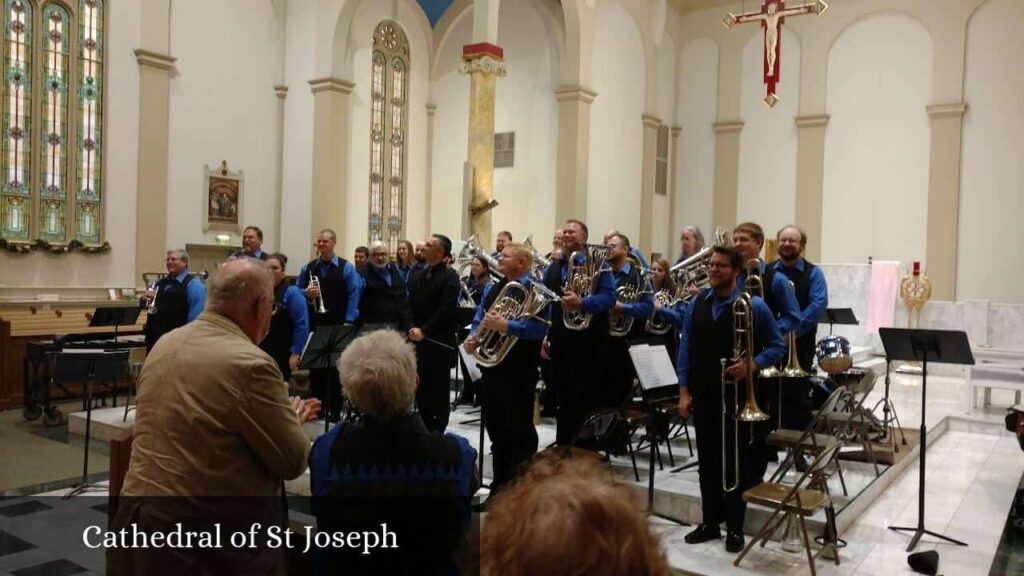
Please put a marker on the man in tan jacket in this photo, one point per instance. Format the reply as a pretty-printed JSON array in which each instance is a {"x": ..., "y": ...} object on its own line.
[{"x": 214, "y": 420}]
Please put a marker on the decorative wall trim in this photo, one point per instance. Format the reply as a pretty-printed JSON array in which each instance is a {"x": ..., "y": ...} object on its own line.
[
  {"x": 281, "y": 91},
  {"x": 650, "y": 120},
  {"x": 331, "y": 84},
  {"x": 942, "y": 110},
  {"x": 59, "y": 248},
  {"x": 431, "y": 109},
  {"x": 154, "y": 59},
  {"x": 580, "y": 93},
  {"x": 812, "y": 120},
  {"x": 676, "y": 131},
  {"x": 728, "y": 126},
  {"x": 486, "y": 64}
]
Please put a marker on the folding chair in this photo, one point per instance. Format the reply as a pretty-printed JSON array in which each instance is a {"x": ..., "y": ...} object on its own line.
[
  {"x": 853, "y": 422},
  {"x": 811, "y": 441}
]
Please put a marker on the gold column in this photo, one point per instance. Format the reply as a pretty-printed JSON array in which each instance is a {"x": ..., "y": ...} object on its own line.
[
  {"x": 483, "y": 62},
  {"x": 944, "y": 197},
  {"x": 727, "y": 170},
  {"x": 647, "y": 178},
  {"x": 810, "y": 179},
  {"x": 154, "y": 126}
]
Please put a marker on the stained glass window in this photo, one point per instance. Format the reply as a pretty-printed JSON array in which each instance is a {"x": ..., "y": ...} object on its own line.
[
  {"x": 388, "y": 113},
  {"x": 51, "y": 185}
]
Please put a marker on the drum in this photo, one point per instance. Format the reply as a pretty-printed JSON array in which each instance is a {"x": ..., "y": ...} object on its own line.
[{"x": 833, "y": 353}]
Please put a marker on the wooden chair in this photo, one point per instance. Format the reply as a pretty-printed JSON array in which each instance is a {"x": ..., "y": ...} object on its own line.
[{"x": 800, "y": 500}]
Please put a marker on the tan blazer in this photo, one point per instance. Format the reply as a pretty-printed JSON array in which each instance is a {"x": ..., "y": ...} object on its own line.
[{"x": 213, "y": 417}]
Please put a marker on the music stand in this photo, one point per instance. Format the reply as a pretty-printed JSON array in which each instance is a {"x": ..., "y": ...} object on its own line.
[
  {"x": 88, "y": 367},
  {"x": 841, "y": 316},
  {"x": 115, "y": 316},
  {"x": 322, "y": 351},
  {"x": 944, "y": 346}
]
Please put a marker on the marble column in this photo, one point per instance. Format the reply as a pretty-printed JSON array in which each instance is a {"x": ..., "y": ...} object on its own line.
[
  {"x": 810, "y": 179},
  {"x": 429, "y": 188},
  {"x": 944, "y": 197},
  {"x": 483, "y": 62},
  {"x": 151, "y": 240},
  {"x": 282, "y": 93},
  {"x": 573, "y": 161},
  {"x": 673, "y": 165},
  {"x": 648, "y": 175},
  {"x": 727, "y": 170},
  {"x": 331, "y": 156}
]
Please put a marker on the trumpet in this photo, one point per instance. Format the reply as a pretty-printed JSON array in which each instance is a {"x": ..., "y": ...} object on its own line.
[
  {"x": 743, "y": 349},
  {"x": 318, "y": 300},
  {"x": 152, "y": 281},
  {"x": 151, "y": 307}
]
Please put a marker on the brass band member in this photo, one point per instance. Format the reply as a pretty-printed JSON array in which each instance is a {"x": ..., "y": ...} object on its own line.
[
  {"x": 707, "y": 337},
  {"x": 812, "y": 296},
  {"x": 620, "y": 372},
  {"x": 691, "y": 241},
  {"x": 383, "y": 302},
  {"x": 508, "y": 388},
  {"x": 289, "y": 324},
  {"x": 175, "y": 300},
  {"x": 340, "y": 289},
  {"x": 661, "y": 282},
  {"x": 434, "y": 300},
  {"x": 479, "y": 278},
  {"x": 577, "y": 356},
  {"x": 500, "y": 241},
  {"x": 252, "y": 244},
  {"x": 404, "y": 259}
]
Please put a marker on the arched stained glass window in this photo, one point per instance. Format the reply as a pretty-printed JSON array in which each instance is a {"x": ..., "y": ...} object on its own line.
[
  {"x": 388, "y": 113},
  {"x": 51, "y": 186}
]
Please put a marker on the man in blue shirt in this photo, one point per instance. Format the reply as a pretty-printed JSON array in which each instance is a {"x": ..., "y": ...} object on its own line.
[
  {"x": 340, "y": 289},
  {"x": 811, "y": 293},
  {"x": 175, "y": 300},
  {"x": 705, "y": 341},
  {"x": 509, "y": 387},
  {"x": 618, "y": 377},
  {"x": 252, "y": 244},
  {"x": 578, "y": 356},
  {"x": 289, "y": 324}
]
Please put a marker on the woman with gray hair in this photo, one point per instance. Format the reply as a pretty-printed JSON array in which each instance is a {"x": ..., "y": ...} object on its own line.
[
  {"x": 691, "y": 240},
  {"x": 387, "y": 468}
]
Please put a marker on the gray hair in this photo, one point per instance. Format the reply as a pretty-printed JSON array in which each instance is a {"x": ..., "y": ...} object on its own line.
[
  {"x": 180, "y": 252},
  {"x": 697, "y": 234},
  {"x": 379, "y": 371},
  {"x": 378, "y": 244},
  {"x": 237, "y": 284}
]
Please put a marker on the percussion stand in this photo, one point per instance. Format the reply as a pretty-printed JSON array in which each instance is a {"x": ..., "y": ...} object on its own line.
[{"x": 890, "y": 423}]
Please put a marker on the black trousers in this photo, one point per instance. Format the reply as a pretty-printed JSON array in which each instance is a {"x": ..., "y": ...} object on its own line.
[
  {"x": 507, "y": 398},
  {"x": 549, "y": 399},
  {"x": 618, "y": 374},
  {"x": 578, "y": 363},
  {"x": 432, "y": 395},
  {"x": 320, "y": 381},
  {"x": 717, "y": 505}
]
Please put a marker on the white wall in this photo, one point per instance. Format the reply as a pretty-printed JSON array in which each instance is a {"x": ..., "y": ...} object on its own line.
[
  {"x": 297, "y": 176},
  {"x": 120, "y": 157},
  {"x": 989, "y": 263},
  {"x": 353, "y": 232},
  {"x": 767, "y": 177},
  {"x": 616, "y": 128},
  {"x": 222, "y": 107},
  {"x": 525, "y": 103},
  {"x": 661, "y": 236},
  {"x": 695, "y": 159},
  {"x": 877, "y": 142}
]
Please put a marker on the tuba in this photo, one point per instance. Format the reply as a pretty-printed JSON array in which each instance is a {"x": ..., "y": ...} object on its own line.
[
  {"x": 619, "y": 324},
  {"x": 742, "y": 348},
  {"x": 540, "y": 262},
  {"x": 693, "y": 272},
  {"x": 582, "y": 280},
  {"x": 514, "y": 302},
  {"x": 470, "y": 250},
  {"x": 657, "y": 324}
]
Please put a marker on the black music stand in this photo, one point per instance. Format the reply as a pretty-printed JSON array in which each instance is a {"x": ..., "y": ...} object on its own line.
[
  {"x": 944, "y": 346},
  {"x": 115, "y": 316},
  {"x": 841, "y": 316},
  {"x": 88, "y": 367},
  {"x": 322, "y": 351}
]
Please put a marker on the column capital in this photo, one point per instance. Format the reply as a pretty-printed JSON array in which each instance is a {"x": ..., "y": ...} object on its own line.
[
  {"x": 586, "y": 95},
  {"x": 812, "y": 120},
  {"x": 676, "y": 131},
  {"x": 483, "y": 57},
  {"x": 154, "y": 59},
  {"x": 281, "y": 91},
  {"x": 944, "y": 110},
  {"x": 727, "y": 126},
  {"x": 650, "y": 120},
  {"x": 331, "y": 84},
  {"x": 431, "y": 109}
]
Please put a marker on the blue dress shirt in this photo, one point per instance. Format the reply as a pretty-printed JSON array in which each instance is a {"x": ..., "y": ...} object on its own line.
[
  {"x": 195, "y": 295},
  {"x": 295, "y": 302},
  {"x": 603, "y": 299},
  {"x": 642, "y": 308},
  {"x": 818, "y": 294},
  {"x": 788, "y": 316},
  {"x": 766, "y": 331},
  {"x": 528, "y": 329},
  {"x": 353, "y": 283}
]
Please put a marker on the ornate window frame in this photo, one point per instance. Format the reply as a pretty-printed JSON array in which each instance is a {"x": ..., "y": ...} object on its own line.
[{"x": 389, "y": 125}]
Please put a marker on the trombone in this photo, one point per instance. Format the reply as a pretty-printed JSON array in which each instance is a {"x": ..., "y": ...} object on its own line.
[{"x": 743, "y": 349}]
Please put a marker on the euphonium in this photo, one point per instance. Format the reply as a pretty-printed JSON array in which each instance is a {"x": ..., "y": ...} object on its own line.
[
  {"x": 514, "y": 302},
  {"x": 619, "y": 324},
  {"x": 657, "y": 324},
  {"x": 743, "y": 349},
  {"x": 582, "y": 280},
  {"x": 470, "y": 250}
]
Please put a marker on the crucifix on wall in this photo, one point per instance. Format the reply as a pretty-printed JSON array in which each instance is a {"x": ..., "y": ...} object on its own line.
[{"x": 771, "y": 17}]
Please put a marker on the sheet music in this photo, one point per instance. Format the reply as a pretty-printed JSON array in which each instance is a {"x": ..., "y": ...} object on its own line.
[
  {"x": 471, "y": 368},
  {"x": 653, "y": 366}
]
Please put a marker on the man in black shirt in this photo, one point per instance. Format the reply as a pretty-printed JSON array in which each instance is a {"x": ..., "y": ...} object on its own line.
[{"x": 383, "y": 303}]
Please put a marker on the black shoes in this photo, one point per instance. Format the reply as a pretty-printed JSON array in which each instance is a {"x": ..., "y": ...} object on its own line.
[
  {"x": 734, "y": 541},
  {"x": 801, "y": 463},
  {"x": 702, "y": 533}
]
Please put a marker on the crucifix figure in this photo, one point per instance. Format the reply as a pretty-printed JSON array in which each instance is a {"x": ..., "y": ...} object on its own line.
[{"x": 771, "y": 17}]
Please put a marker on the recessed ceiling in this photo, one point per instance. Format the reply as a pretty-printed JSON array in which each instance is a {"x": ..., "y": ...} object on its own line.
[{"x": 434, "y": 9}]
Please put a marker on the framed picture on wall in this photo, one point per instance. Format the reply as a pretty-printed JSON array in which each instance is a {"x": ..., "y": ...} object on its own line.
[{"x": 224, "y": 193}]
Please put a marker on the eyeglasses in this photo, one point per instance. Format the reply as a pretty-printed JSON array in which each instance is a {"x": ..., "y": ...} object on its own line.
[
  {"x": 719, "y": 265},
  {"x": 381, "y": 255}
]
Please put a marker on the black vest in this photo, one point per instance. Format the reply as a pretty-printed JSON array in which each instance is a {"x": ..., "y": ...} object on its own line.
[
  {"x": 802, "y": 282},
  {"x": 598, "y": 323},
  {"x": 710, "y": 341},
  {"x": 380, "y": 303},
  {"x": 278, "y": 342},
  {"x": 333, "y": 290},
  {"x": 171, "y": 309},
  {"x": 524, "y": 357}
]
